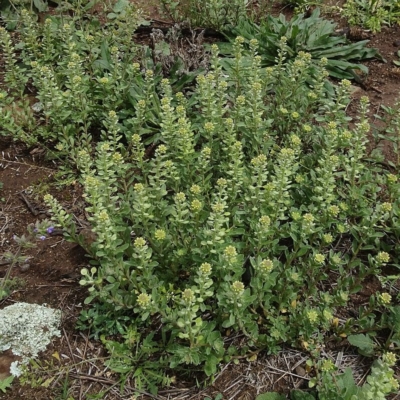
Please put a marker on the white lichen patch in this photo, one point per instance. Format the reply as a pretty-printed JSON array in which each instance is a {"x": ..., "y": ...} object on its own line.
[{"x": 27, "y": 329}]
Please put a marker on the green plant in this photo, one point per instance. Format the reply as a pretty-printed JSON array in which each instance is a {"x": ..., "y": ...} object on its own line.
[
  {"x": 257, "y": 196},
  {"x": 313, "y": 35},
  {"x": 217, "y": 397},
  {"x": 389, "y": 131},
  {"x": 371, "y": 14},
  {"x": 6, "y": 383},
  {"x": 379, "y": 383},
  {"x": 396, "y": 62},
  {"x": 303, "y": 5},
  {"x": 210, "y": 14},
  {"x": 80, "y": 71},
  {"x": 333, "y": 386}
]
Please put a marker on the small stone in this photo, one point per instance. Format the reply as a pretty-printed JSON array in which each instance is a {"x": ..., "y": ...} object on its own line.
[
  {"x": 24, "y": 267},
  {"x": 300, "y": 371},
  {"x": 354, "y": 90},
  {"x": 396, "y": 43}
]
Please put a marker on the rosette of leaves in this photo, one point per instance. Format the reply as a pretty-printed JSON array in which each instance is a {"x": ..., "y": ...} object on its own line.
[{"x": 313, "y": 35}]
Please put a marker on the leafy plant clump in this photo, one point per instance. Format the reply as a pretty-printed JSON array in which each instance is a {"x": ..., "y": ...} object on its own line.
[
  {"x": 372, "y": 14},
  {"x": 214, "y": 14},
  {"x": 79, "y": 71},
  {"x": 313, "y": 35},
  {"x": 334, "y": 386},
  {"x": 258, "y": 196}
]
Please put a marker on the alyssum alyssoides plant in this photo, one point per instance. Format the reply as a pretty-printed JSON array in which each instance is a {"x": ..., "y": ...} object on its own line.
[
  {"x": 256, "y": 214},
  {"x": 78, "y": 70}
]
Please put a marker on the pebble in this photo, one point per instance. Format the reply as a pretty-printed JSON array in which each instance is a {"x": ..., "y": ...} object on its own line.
[
  {"x": 24, "y": 267},
  {"x": 300, "y": 371}
]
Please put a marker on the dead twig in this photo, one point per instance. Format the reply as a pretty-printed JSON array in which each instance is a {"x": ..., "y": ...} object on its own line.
[{"x": 30, "y": 207}]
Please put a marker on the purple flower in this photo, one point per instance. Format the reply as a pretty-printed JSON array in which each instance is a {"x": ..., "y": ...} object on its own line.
[
  {"x": 35, "y": 230},
  {"x": 42, "y": 237},
  {"x": 50, "y": 229}
]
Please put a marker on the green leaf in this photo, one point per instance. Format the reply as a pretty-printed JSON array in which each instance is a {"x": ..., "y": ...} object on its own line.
[
  {"x": 347, "y": 384},
  {"x": 6, "y": 383},
  {"x": 300, "y": 395},
  {"x": 120, "y": 6},
  {"x": 271, "y": 396},
  {"x": 363, "y": 342},
  {"x": 210, "y": 367},
  {"x": 40, "y": 5}
]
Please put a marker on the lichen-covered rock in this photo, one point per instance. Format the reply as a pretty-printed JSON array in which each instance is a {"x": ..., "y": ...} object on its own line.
[{"x": 27, "y": 329}]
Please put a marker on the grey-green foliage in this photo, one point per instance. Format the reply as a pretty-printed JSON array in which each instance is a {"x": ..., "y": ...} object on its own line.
[
  {"x": 371, "y": 14},
  {"x": 27, "y": 329},
  {"x": 257, "y": 194},
  {"x": 206, "y": 14},
  {"x": 314, "y": 35},
  {"x": 379, "y": 383}
]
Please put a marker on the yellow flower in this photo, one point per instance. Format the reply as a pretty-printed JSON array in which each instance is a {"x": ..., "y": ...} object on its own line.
[
  {"x": 206, "y": 152},
  {"x": 386, "y": 207},
  {"x": 160, "y": 234},
  {"x": 327, "y": 365},
  {"x": 180, "y": 197},
  {"x": 346, "y": 83},
  {"x": 309, "y": 218},
  {"x": 283, "y": 110},
  {"x": 312, "y": 316},
  {"x": 319, "y": 258},
  {"x": 103, "y": 216},
  {"x": 389, "y": 358},
  {"x": 266, "y": 265},
  {"x": 240, "y": 100},
  {"x": 259, "y": 161},
  {"x": 139, "y": 242},
  {"x": 382, "y": 257},
  {"x": 138, "y": 187},
  {"x": 188, "y": 295},
  {"x": 295, "y": 140},
  {"x": 218, "y": 208},
  {"x": 205, "y": 269},
  {"x": 237, "y": 288},
  {"x": 196, "y": 205},
  {"x": 385, "y": 298},
  {"x": 230, "y": 252},
  {"x": 221, "y": 182},
  {"x": 332, "y": 124},
  {"x": 143, "y": 300},
  {"x": 195, "y": 189},
  {"x": 392, "y": 178},
  {"x": 328, "y": 238},
  {"x": 336, "y": 259},
  {"x": 117, "y": 158},
  {"x": 162, "y": 149},
  {"x": 327, "y": 315},
  {"x": 239, "y": 39},
  {"x": 265, "y": 220},
  {"x": 333, "y": 211}
]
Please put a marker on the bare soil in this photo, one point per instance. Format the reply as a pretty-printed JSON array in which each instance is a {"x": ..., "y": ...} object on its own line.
[{"x": 52, "y": 274}]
